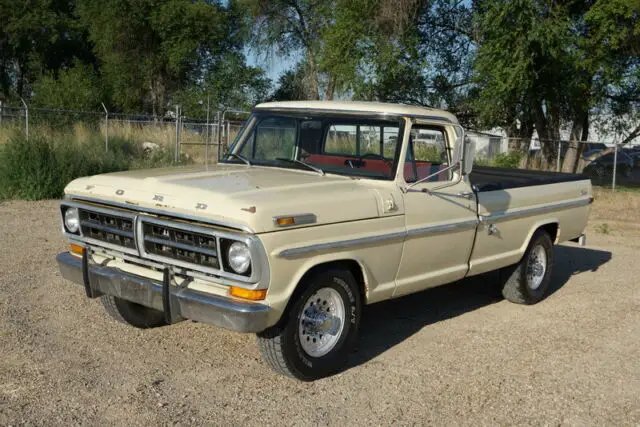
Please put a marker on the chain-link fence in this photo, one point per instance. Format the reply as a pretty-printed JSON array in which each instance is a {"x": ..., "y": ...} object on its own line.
[
  {"x": 192, "y": 140},
  {"x": 205, "y": 140},
  {"x": 606, "y": 163}
]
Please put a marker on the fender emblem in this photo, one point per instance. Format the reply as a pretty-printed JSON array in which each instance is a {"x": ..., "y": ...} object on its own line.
[{"x": 201, "y": 206}]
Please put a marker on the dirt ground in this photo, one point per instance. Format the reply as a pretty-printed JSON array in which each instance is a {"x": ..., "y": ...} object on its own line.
[{"x": 448, "y": 356}]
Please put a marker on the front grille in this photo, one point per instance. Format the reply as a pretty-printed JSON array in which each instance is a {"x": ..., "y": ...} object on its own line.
[
  {"x": 189, "y": 246},
  {"x": 108, "y": 228}
]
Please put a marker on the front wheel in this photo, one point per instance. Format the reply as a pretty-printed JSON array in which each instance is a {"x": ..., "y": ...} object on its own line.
[
  {"x": 320, "y": 330},
  {"x": 527, "y": 281},
  {"x": 132, "y": 314}
]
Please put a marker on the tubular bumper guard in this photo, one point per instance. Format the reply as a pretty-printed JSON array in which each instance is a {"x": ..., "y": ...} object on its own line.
[{"x": 176, "y": 303}]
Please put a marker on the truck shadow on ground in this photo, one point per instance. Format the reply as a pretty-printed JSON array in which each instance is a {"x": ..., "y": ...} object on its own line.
[{"x": 389, "y": 323}]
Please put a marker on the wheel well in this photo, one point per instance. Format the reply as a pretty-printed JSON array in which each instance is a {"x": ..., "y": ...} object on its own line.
[
  {"x": 346, "y": 264},
  {"x": 552, "y": 230}
]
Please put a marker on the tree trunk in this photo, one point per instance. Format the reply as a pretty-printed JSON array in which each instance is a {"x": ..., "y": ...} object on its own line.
[
  {"x": 313, "y": 75},
  {"x": 331, "y": 88},
  {"x": 548, "y": 127},
  {"x": 579, "y": 133}
]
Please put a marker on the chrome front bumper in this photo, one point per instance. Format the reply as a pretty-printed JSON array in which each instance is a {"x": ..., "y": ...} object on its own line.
[{"x": 176, "y": 303}]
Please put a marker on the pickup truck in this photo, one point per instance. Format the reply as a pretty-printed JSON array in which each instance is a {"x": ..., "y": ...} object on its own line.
[{"x": 317, "y": 209}]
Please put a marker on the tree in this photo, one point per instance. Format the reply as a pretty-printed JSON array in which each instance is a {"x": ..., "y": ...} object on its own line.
[
  {"x": 292, "y": 85},
  {"x": 294, "y": 25},
  {"x": 38, "y": 37},
  {"x": 150, "y": 48},
  {"x": 76, "y": 88},
  {"x": 229, "y": 83}
]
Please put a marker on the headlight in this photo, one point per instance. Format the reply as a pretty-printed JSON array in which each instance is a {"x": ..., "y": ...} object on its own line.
[
  {"x": 72, "y": 220},
  {"x": 239, "y": 257}
]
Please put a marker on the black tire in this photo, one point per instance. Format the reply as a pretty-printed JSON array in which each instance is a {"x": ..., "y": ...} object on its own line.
[
  {"x": 281, "y": 346},
  {"x": 516, "y": 286},
  {"x": 132, "y": 314}
]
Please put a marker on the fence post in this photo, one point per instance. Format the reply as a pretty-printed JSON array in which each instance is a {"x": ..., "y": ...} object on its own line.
[
  {"x": 26, "y": 118},
  {"x": 176, "y": 155},
  {"x": 615, "y": 167},
  {"x": 106, "y": 128},
  {"x": 220, "y": 127},
  {"x": 0, "y": 113},
  {"x": 559, "y": 154},
  {"x": 228, "y": 136},
  {"x": 206, "y": 141}
]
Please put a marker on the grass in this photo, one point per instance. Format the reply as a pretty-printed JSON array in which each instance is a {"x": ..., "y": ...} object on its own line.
[
  {"x": 40, "y": 167},
  {"x": 603, "y": 228},
  {"x": 616, "y": 205}
]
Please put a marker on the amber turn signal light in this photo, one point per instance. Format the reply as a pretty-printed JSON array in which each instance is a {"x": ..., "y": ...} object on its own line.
[
  {"x": 76, "y": 249},
  {"x": 285, "y": 221},
  {"x": 254, "y": 295}
]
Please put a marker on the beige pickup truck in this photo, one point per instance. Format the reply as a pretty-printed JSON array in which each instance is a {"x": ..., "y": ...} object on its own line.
[{"x": 318, "y": 209}]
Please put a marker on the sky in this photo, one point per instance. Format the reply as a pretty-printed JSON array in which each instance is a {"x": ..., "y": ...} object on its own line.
[{"x": 273, "y": 64}]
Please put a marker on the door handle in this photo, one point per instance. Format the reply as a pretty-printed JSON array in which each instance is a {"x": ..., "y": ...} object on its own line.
[{"x": 466, "y": 194}]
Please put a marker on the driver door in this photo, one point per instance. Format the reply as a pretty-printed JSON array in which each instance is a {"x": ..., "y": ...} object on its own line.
[{"x": 440, "y": 214}]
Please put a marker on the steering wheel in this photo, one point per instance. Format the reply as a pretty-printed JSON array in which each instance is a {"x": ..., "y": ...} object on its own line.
[{"x": 379, "y": 157}]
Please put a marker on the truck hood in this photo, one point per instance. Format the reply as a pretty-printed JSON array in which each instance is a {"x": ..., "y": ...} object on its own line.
[{"x": 246, "y": 197}]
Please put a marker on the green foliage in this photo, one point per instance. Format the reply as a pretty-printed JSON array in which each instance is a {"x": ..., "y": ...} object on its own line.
[
  {"x": 37, "y": 37},
  {"x": 151, "y": 48},
  {"x": 76, "y": 88},
  {"x": 508, "y": 160},
  {"x": 502, "y": 160},
  {"x": 40, "y": 168},
  {"x": 229, "y": 83},
  {"x": 603, "y": 228},
  {"x": 291, "y": 85}
]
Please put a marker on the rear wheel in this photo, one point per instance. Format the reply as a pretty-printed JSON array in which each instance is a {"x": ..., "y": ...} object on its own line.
[
  {"x": 320, "y": 330},
  {"x": 527, "y": 281},
  {"x": 132, "y": 314}
]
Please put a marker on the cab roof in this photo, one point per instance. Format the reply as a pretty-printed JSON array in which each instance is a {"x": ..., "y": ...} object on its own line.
[{"x": 360, "y": 107}]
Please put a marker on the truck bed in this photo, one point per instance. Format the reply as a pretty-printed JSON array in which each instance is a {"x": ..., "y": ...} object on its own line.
[{"x": 486, "y": 178}]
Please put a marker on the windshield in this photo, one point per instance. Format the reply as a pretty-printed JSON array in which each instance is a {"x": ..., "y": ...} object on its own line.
[{"x": 346, "y": 145}]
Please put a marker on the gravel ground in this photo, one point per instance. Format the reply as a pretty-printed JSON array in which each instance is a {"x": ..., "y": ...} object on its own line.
[{"x": 452, "y": 355}]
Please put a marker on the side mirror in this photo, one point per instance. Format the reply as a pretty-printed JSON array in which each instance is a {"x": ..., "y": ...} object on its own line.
[
  {"x": 468, "y": 157},
  {"x": 458, "y": 148}
]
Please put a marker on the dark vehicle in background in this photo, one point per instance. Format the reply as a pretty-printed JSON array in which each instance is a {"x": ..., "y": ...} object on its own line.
[
  {"x": 634, "y": 153},
  {"x": 602, "y": 166}
]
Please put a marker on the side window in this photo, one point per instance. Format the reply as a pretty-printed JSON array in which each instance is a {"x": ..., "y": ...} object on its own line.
[
  {"x": 360, "y": 140},
  {"x": 272, "y": 137},
  {"x": 342, "y": 139},
  {"x": 426, "y": 154},
  {"x": 370, "y": 140}
]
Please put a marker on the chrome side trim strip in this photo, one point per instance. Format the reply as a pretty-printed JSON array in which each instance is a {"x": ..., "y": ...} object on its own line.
[
  {"x": 501, "y": 216},
  {"x": 442, "y": 228},
  {"x": 294, "y": 252},
  {"x": 137, "y": 208}
]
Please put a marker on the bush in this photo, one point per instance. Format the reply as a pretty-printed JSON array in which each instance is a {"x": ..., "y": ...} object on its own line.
[
  {"x": 40, "y": 168},
  {"x": 508, "y": 160}
]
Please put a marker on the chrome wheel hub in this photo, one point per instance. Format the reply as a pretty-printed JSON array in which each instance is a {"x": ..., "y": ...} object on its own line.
[
  {"x": 321, "y": 322},
  {"x": 536, "y": 267}
]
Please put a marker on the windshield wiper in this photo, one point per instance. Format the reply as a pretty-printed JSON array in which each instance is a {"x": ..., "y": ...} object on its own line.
[
  {"x": 241, "y": 157},
  {"x": 300, "y": 162}
]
